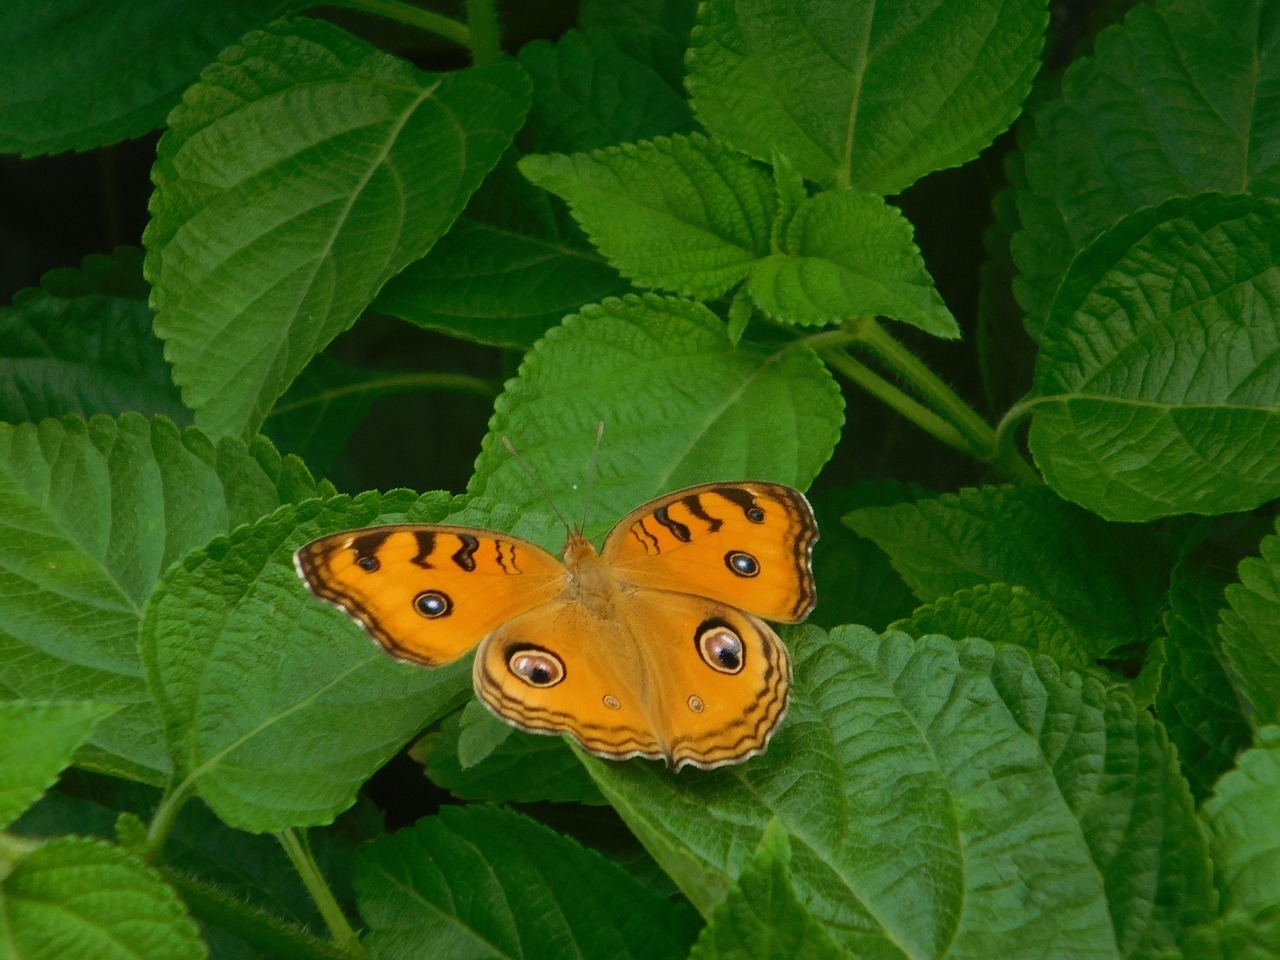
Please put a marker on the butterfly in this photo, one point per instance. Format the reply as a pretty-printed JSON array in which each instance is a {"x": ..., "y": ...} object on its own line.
[{"x": 654, "y": 647}]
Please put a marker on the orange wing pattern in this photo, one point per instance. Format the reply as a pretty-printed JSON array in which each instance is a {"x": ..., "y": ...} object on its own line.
[
  {"x": 745, "y": 544},
  {"x": 429, "y": 593}
]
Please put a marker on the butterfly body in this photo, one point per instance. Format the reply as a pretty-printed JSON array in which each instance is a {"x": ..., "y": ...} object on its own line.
[{"x": 654, "y": 647}]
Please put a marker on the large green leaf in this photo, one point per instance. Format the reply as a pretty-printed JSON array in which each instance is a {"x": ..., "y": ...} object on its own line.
[
  {"x": 486, "y": 882},
  {"x": 1158, "y": 384},
  {"x": 302, "y": 171},
  {"x": 81, "y": 343},
  {"x": 680, "y": 405},
  {"x": 79, "y": 897},
  {"x": 1107, "y": 580},
  {"x": 94, "y": 512},
  {"x": 843, "y": 90},
  {"x": 945, "y": 799},
  {"x": 77, "y": 74},
  {"x": 1249, "y": 629},
  {"x": 1174, "y": 102},
  {"x": 36, "y": 742}
]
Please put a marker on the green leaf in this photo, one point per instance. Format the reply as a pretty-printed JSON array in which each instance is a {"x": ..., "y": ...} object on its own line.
[
  {"x": 475, "y": 756},
  {"x": 81, "y": 343},
  {"x": 502, "y": 284},
  {"x": 37, "y": 740},
  {"x": 276, "y": 707},
  {"x": 76, "y": 75},
  {"x": 681, "y": 213},
  {"x": 322, "y": 408},
  {"x": 1196, "y": 700},
  {"x": 589, "y": 93},
  {"x": 1107, "y": 580},
  {"x": 848, "y": 254},
  {"x": 1244, "y": 836},
  {"x": 1003, "y": 613},
  {"x": 1173, "y": 103},
  {"x": 1249, "y": 630},
  {"x": 762, "y": 917},
  {"x": 302, "y": 171},
  {"x": 94, "y": 512},
  {"x": 842, "y": 88},
  {"x": 78, "y": 897},
  {"x": 856, "y": 582},
  {"x": 680, "y": 406},
  {"x": 929, "y": 790},
  {"x": 1157, "y": 383},
  {"x": 486, "y": 882}
]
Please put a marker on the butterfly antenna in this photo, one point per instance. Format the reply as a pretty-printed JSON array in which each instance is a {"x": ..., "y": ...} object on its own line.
[
  {"x": 591, "y": 475},
  {"x": 538, "y": 483}
]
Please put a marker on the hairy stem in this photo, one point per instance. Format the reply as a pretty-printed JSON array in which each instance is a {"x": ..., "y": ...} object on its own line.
[
  {"x": 942, "y": 413},
  {"x": 299, "y": 852},
  {"x": 271, "y": 935}
]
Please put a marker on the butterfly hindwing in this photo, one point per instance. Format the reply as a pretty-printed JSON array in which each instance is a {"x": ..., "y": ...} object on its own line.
[
  {"x": 428, "y": 593},
  {"x": 668, "y": 676},
  {"x": 745, "y": 544}
]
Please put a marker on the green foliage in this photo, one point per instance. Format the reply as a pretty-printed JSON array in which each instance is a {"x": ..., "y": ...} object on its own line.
[
  {"x": 684, "y": 222},
  {"x": 490, "y": 882}
]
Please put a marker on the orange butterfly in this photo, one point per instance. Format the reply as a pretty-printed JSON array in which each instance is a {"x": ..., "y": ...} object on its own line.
[{"x": 654, "y": 647}]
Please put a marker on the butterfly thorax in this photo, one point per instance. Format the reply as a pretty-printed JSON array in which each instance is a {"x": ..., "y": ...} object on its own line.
[{"x": 590, "y": 581}]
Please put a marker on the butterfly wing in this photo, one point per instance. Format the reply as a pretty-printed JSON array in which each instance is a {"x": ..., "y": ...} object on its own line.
[
  {"x": 428, "y": 593},
  {"x": 667, "y": 676},
  {"x": 747, "y": 545}
]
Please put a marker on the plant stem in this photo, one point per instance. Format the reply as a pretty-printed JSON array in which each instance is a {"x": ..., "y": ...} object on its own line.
[
  {"x": 167, "y": 811},
  {"x": 482, "y": 19},
  {"x": 891, "y": 396},
  {"x": 401, "y": 12},
  {"x": 272, "y": 936},
  {"x": 928, "y": 385},
  {"x": 299, "y": 853}
]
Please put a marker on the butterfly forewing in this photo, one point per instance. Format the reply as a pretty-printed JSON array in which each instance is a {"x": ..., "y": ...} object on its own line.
[
  {"x": 745, "y": 544},
  {"x": 429, "y": 593}
]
